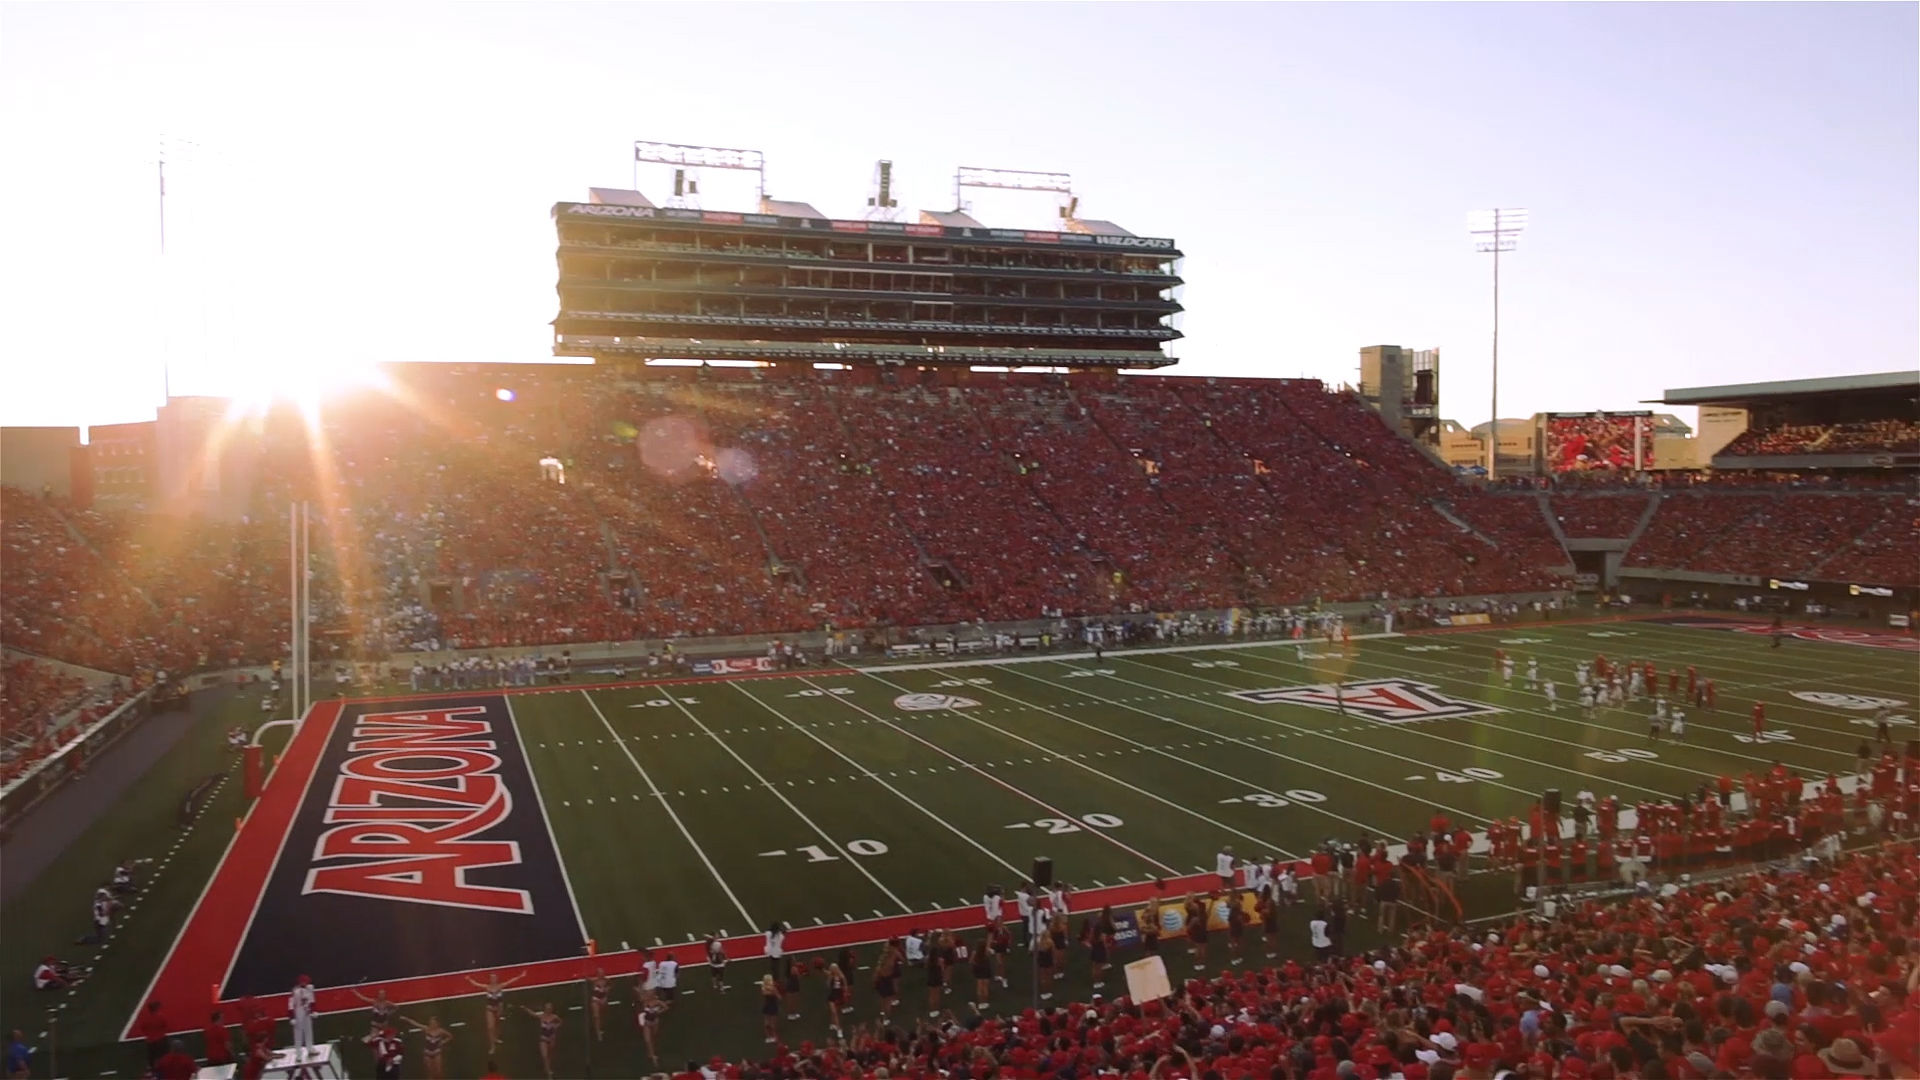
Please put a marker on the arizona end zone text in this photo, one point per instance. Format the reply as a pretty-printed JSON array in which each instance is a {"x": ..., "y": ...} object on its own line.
[
  {"x": 419, "y": 847},
  {"x": 410, "y": 830}
]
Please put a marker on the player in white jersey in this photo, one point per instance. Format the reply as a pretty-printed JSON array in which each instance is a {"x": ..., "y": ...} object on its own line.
[
  {"x": 1533, "y": 673},
  {"x": 1506, "y": 670},
  {"x": 1587, "y": 697},
  {"x": 1580, "y": 674},
  {"x": 300, "y": 1005},
  {"x": 1553, "y": 696},
  {"x": 1223, "y": 865},
  {"x": 1677, "y": 726}
]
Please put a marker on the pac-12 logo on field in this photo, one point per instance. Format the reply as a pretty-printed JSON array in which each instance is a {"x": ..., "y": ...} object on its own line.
[
  {"x": 932, "y": 702},
  {"x": 1856, "y": 702},
  {"x": 1390, "y": 701}
]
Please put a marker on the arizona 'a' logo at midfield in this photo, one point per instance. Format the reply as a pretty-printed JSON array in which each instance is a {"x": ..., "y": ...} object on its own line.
[{"x": 1390, "y": 701}]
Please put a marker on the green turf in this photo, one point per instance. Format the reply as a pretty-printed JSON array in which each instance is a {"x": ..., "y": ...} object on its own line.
[{"x": 667, "y": 801}]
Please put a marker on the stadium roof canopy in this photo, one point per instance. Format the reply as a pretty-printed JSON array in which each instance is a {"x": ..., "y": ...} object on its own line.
[{"x": 1752, "y": 393}]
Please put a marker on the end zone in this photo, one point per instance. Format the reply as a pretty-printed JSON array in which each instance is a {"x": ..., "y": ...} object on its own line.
[{"x": 393, "y": 843}]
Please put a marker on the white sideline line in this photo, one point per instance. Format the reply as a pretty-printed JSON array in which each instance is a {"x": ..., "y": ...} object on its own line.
[
  {"x": 1076, "y": 763},
  {"x": 1045, "y": 658},
  {"x": 949, "y": 826},
  {"x": 856, "y": 862},
  {"x": 668, "y": 807},
  {"x": 579, "y": 920}
]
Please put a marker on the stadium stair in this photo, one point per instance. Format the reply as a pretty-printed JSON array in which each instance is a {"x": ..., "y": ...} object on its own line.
[
  {"x": 1646, "y": 519},
  {"x": 81, "y": 539},
  {"x": 1446, "y": 511},
  {"x": 1553, "y": 523},
  {"x": 776, "y": 566}
]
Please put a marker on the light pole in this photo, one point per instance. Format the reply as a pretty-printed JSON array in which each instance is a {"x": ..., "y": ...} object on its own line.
[{"x": 1496, "y": 230}]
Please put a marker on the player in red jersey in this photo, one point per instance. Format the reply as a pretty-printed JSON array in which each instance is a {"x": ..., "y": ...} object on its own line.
[{"x": 1759, "y": 720}]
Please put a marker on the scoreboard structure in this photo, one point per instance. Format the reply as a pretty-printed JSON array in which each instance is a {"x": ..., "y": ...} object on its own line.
[{"x": 640, "y": 282}]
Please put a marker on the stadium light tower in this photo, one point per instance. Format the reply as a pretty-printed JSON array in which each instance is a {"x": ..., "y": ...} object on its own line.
[
  {"x": 690, "y": 158},
  {"x": 973, "y": 176},
  {"x": 1496, "y": 231}
]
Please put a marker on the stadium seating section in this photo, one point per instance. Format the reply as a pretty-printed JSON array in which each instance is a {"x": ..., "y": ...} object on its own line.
[
  {"x": 727, "y": 500},
  {"x": 1599, "y": 517},
  {"x": 1867, "y": 437}
]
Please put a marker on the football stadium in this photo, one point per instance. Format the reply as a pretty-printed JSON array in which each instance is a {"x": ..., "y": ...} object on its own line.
[{"x": 862, "y": 652}]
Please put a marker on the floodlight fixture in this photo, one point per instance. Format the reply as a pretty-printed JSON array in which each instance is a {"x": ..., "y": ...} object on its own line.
[{"x": 1496, "y": 231}]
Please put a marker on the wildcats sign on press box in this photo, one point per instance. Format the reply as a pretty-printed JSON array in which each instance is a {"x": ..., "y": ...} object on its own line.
[
  {"x": 420, "y": 847},
  {"x": 1390, "y": 701}
]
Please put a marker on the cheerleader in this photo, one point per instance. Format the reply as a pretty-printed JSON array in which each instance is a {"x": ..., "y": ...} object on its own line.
[
  {"x": 790, "y": 987},
  {"x": 379, "y": 1009},
  {"x": 496, "y": 1004},
  {"x": 838, "y": 998},
  {"x": 1236, "y": 927},
  {"x": 1099, "y": 943},
  {"x": 1044, "y": 960},
  {"x": 717, "y": 962},
  {"x": 983, "y": 961},
  {"x": 648, "y": 1009},
  {"x": 1000, "y": 941},
  {"x": 435, "y": 1050},
  {"x": 1058, "y": 932},
  {"x": 769, "y": 1009},
  {"x": 1197, "y": 929},
  {"x": 549, "y": 1033},
  {"x": 597, "y": 988},
  {"x": 936, "y": 978},
  {"x": 886, "y": 980},
  {"x": 1150, "y": 929}
]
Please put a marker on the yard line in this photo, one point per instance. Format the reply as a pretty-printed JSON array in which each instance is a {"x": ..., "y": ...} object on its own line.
[
  {"x": 1409, "y": 728},
  {"x": 668, "y": 807},
  {"x": 1524, "y": 711},
  {"x": 1850, "y": 677},
  {"x": 943, "y": 822},
  {"x": 1138, "y": 746},
  {"x": 1058, "y": 756},
  {"x": 769, "y": 785},
  {"x": 1029, "y": 796}
]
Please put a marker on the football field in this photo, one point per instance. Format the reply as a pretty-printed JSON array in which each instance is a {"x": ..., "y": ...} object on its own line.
[{"x": 412, "y": 843}]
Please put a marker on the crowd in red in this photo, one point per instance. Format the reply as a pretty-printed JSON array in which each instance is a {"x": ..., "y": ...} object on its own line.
[
  {"x": 1812, "y": 974},
  {"x": 1864, "y": 437},
  {"x": 485, "y": 508},
  {"x": 1598, "y": 516},
  {"x": 1857, "y": 537}
]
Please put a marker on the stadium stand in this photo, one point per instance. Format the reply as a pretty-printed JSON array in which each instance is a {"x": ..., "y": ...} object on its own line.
[
  {"x": 691, "y": 501},
  {"x": 1864, "y": 437},
  {"x": 1598, "y": 516},
  {"x": 1840, "y": 536}
]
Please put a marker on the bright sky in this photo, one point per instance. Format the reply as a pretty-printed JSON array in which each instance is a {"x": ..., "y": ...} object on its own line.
[{"x": 1720, "y": 193}]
